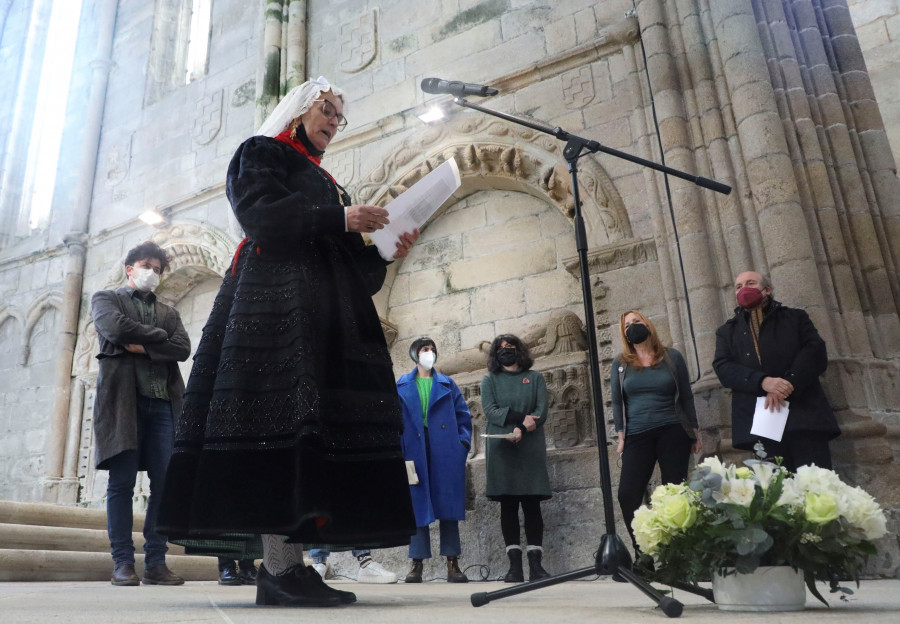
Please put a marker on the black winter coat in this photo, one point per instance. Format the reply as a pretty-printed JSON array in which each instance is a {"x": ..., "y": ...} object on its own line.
[
  {"x": 291, "y": 421},
  {"x": 790, "y": 348}
]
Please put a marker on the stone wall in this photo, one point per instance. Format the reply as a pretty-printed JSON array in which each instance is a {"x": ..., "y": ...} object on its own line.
[
  {"x": 767, "y": 96},
  {"x": 877, "y": 23}
]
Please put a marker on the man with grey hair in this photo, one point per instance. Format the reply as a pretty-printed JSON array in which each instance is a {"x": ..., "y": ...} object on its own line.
[{"x": 768, "y": 349}]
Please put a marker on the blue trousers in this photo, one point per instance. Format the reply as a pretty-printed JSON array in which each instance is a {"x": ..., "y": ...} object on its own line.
[
  {"x": 420, "y": 543},
  {"x": 156, "y": 439},
  {"x": 320, "y": 555}
]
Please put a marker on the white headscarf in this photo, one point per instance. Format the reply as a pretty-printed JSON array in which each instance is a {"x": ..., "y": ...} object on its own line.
[{"x": 295, "y": 103}]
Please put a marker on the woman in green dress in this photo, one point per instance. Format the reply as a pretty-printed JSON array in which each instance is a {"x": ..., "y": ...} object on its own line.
[{"x": 514, "y": 399}]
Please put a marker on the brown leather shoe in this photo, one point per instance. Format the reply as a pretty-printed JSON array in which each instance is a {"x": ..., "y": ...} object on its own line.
[
  {"x": 161, "y": 575},
  {"x": 123, "y": 575},
  {"x": 415, "y": 572},
  {"x": 454, "y": 574}
]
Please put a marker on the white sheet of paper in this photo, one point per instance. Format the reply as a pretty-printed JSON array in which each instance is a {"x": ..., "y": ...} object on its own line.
[
  {"x": 415, "y": 206},
  {"x": 768, "y": 424},
  {"x": 505, "y": 436}
]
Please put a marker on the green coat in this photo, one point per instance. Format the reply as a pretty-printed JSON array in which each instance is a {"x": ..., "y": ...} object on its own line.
[{"x": 515, "y": 469}]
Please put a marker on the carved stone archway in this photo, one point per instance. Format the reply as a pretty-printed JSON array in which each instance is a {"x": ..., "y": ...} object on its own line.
[
  {"x": 495, "y": 154},
  {"x": 197, "y": 250}
]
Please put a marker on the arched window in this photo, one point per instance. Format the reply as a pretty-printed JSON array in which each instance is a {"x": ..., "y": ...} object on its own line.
[
  {"x": 198, "y": 41},
  {"x": 179, "y": 49},
  {"x": 50, "y": 112}
]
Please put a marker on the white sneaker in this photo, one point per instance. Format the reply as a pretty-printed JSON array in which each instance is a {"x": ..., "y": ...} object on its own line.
[
  {"x": 324, "y": 570},
  {"x": 370, "y": 571}
]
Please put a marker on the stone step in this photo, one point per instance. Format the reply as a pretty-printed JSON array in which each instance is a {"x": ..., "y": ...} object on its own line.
[
  {"x": 55, "y": 565},
  {"x": 32, "y": 537},
  {"x": 44, "y": 514}
]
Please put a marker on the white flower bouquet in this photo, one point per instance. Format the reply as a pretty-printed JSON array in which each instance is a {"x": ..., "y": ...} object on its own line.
[{"x": 759, "y": 514}]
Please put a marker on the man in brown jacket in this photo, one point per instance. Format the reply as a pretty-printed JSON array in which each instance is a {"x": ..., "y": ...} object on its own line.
[{"x": 139, "y": 392}]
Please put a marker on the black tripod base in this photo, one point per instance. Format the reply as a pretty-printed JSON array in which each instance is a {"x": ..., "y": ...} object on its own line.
[{"x": 613, "y": 559}]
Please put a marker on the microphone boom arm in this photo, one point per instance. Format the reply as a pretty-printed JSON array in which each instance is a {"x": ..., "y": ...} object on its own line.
[{"x": 575, "y": 146}]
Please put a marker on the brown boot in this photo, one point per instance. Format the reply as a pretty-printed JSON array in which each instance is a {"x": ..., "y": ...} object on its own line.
[
  {"x": 123, "y": 575},
  {"x": 415, "y": 572},
  {"x": 454, "y": 574},
  {"x": 160, "y": 575}
]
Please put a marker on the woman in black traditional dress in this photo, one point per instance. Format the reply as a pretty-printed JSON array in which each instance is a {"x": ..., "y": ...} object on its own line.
[{"x": 291, "y": 422}]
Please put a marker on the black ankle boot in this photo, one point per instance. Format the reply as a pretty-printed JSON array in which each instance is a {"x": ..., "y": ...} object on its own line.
[
  {"x": 535, "y": 569},
  {"x": 515, "y": 574},
  {"x": 415, "y": 572},
  {"x": 299, "y": 586}
]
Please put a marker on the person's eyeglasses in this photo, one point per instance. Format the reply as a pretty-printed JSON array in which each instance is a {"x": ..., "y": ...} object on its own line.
[{"x": 330, "y": 111}]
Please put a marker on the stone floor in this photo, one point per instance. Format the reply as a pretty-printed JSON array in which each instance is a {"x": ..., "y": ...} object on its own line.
[{"x": 430, "y": 603}]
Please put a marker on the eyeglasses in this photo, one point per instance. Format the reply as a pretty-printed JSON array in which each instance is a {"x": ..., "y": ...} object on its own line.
[{"x": 330, "y": 112}]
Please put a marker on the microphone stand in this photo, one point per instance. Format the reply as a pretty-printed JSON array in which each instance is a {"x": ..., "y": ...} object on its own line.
[{"x": 612, "y": 556}]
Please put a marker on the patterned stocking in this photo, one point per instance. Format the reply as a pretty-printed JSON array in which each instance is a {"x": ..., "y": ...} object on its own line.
[{"x": 278, "y": 555}]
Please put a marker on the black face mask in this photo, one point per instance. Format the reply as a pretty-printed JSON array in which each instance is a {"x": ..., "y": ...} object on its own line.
[
  {"x": 636, "y": 333},
  {"x": 507, "y": 356}
]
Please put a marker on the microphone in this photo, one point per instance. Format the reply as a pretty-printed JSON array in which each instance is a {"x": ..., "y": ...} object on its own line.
[{"x": 457, "y": 88}]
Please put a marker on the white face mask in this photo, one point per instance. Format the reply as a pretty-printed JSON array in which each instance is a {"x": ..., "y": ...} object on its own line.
[
  {"x": 426, "y": 359},
  {"x": 144, "y": 280}
]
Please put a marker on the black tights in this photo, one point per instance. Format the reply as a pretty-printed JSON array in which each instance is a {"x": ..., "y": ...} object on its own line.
[{"x": 509, "y": 520}]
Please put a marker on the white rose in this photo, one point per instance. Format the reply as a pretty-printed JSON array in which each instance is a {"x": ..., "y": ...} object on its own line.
[{"x": 714, "y": 465}]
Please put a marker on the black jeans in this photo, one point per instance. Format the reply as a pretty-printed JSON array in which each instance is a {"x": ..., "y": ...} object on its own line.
[
  {"x": 509, "y": 520},
  {"x": 799, "y": 448},
  {"x": 669, "y": 446}
]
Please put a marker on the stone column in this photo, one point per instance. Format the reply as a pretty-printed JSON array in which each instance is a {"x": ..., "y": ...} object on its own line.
[
  {"x": 282, "y": 54},
  {"x": 75, "y": 244},
  {"x": 268, "y": 75},
  {"x": 765, "y": 154},
  {"x": 686, "y": 197},
  {"x": 295, "y": 59},
  {"x": 875, "y": 167}
]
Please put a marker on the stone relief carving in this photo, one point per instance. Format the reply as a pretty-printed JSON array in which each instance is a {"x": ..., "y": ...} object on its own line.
[
  {"x": 491, "y": 152},
  {"x": 618, "y": 255},
  {"x": 342, "y": 166},
  {"x": 569, "y": 420},
  {"x": 197, "y": 250},
  {"x": 578, "y": 88},
  {"x": 118, "y": 161},
  {"x": 209, "y": 118},
  {"x": 390, "y": 331},
  {"x": 84, "y": 362},
  {"x": 563, "y": 332},
  {"x": 42, "y": 304},
  {"x": 359, "y": 42},
  {"x": 466, "y": 360}
]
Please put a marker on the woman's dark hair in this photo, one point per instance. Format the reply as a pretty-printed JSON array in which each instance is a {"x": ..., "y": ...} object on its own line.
[
  {"x": 146, "y": 251},
  {"x": 523, "y": 356},
  {"x": 417, "y": 345}
]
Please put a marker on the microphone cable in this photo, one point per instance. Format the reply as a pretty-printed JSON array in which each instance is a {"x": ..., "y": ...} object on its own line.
[{"x": 662, "y": 156}]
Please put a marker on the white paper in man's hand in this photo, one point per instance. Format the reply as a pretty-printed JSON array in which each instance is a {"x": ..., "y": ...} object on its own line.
[
  {"x": 768, "y": 424},
  {"x": 415, "y": 206}
]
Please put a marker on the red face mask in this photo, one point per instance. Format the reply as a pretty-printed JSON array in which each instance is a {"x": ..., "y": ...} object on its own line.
[{"x": 749, "y": 297}]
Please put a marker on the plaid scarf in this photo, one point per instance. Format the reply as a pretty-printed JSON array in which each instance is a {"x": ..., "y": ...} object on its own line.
[{"x": 754, "y": 319}]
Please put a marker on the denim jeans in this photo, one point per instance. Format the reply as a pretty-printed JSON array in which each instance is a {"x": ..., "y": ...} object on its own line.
[
  {"x": 156, "y": 438},
  {"x": 420, "y": 543},
  {"x": 320, "y": 555}
]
